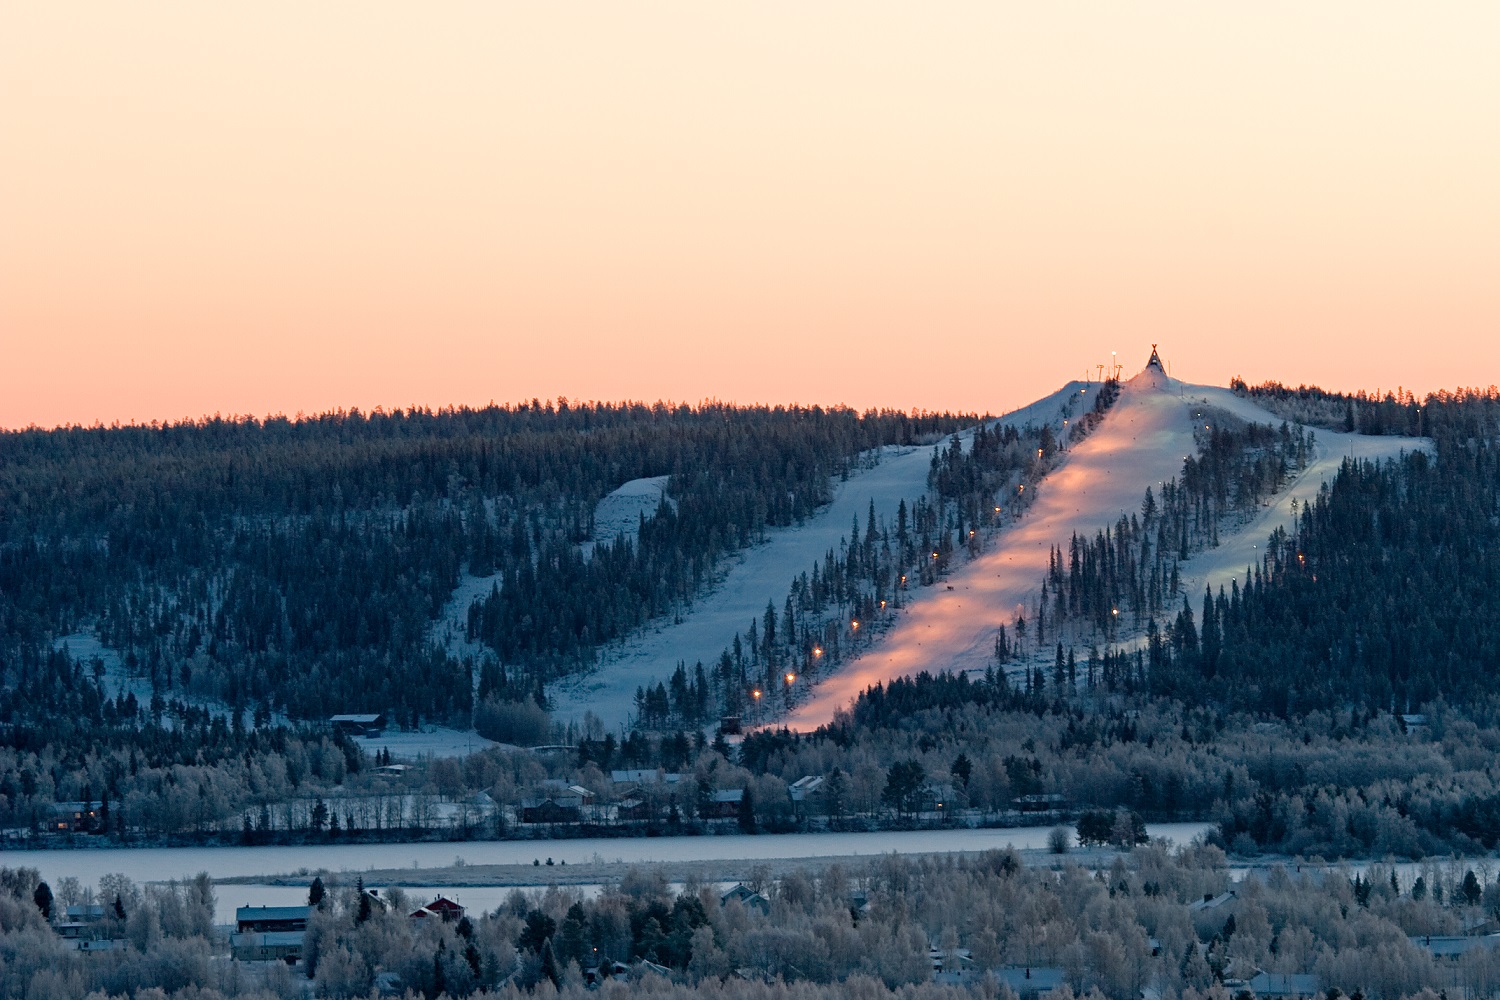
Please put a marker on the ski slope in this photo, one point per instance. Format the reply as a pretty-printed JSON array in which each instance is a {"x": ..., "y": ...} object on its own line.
[
  {"x": 764, "y": 573},
  {"x": 1141, "y": 443},
  {"x": 1237, "y": 552},
  {"x": 619, "y": 512}
]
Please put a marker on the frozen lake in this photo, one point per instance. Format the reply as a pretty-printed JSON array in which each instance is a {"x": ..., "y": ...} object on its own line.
[{"x": 158, "y": 864}]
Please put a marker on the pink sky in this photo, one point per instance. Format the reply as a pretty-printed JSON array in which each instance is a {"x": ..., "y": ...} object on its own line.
[{"x": 277, "y": 207}]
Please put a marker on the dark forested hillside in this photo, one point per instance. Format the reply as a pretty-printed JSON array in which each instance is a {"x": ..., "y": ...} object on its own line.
[
  {"x": 297, "y": 565},
  {"x": 1385, "y": 595}
]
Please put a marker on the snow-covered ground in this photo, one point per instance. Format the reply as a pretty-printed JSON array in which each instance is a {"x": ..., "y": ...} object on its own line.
[
  {"x": 620, "y": 512},
  {"x": 1239, "y": 551},
  {"x": 452, "y": 627},
  {"x": 118, "y": 681},
  {"x": 431, "y": 741},
  {"x": 85, "y": 646},
  {"x": 764, "y": 573},
  {"x": 1141, "y": 443},
  {"x": 434, "y": 741}
]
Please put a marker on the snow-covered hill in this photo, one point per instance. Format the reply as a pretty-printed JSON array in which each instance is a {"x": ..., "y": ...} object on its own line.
[
  {"x": 1141, "y": 443},
  {"x": 765, "y": 572}
]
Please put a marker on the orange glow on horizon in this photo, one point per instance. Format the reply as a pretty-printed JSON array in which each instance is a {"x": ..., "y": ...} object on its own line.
[{"x": 287, "y": 207}]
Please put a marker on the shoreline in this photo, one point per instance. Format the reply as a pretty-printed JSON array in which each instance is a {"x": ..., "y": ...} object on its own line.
[{"x": 595, "y": 872}]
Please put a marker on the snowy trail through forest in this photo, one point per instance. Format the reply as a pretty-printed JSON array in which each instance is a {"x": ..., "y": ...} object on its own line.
[
  {"x": 764, "y": 573},
  {"x": 1141, "y": 443}
]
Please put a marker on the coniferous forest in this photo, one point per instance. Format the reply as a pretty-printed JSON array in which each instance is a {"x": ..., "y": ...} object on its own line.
[
  {"x": 286, "y": 569},
  {"x": 298, "y": 566}
]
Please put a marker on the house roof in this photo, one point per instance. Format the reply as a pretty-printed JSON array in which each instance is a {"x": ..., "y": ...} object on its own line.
[
  {"x": 1212, "y": 902},
  {"x": 729, "y": 795},
  {"x": 443, "y": 903},
  {"x": 1285, "y": 984},
  {"x": 803, "y": 787},
  {"x": 560, "y": 801},
  {"x": 1452, "y": 946},
  {"x": 1032, "y": 978},
  {"x": 739, "y": 891},
  {"x": 273, "y": 913},
  {"x": 643, "y": 776},
  {"x": 365, "y": 719}
]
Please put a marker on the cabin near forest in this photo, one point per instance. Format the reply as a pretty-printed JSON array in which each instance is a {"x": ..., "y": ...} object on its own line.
[
  {"x": 724, "y": 804},
  {"x": 1290, "y": 985},
  {"x": 1455, "y": 947},
  {"x": 369, "y": 726},
  {"x": 268, "y": 946},
  {"x": 746, "y": 897},
  {"x": 72, "y": 817},
  {"x": 258, "y": 919},
  {"x": 84, "y": 928},
  {"x": 269, "y": 933},
  {"x": 442, "y": 908},
  {"x": 806, "y": 788},
  {"x": 1032, "y": 982},
  {"x": 552, "y": 809}
]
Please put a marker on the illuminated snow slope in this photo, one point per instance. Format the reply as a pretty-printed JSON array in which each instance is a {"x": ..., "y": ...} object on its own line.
[
  {"x": 764, "y": 573},
  {"x": 1142, "y": 442}
]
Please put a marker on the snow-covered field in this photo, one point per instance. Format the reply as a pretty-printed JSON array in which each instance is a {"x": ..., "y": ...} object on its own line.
[
  {"x": 452, "y": 627},
  {"x": 620, "y": 512},
  {"x": 118, "y": 681},
  {"x": 433, "y": 741},
  {"x": 1140, "y": 444},
  {"x": 764, "y": 573}
]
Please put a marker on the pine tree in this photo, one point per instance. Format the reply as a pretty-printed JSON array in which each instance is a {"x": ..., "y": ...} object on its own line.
[
  {"x": 549, "y": 963},
  {"x": 42, "y": 897},
  {"x": 747, "y": 813}
]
